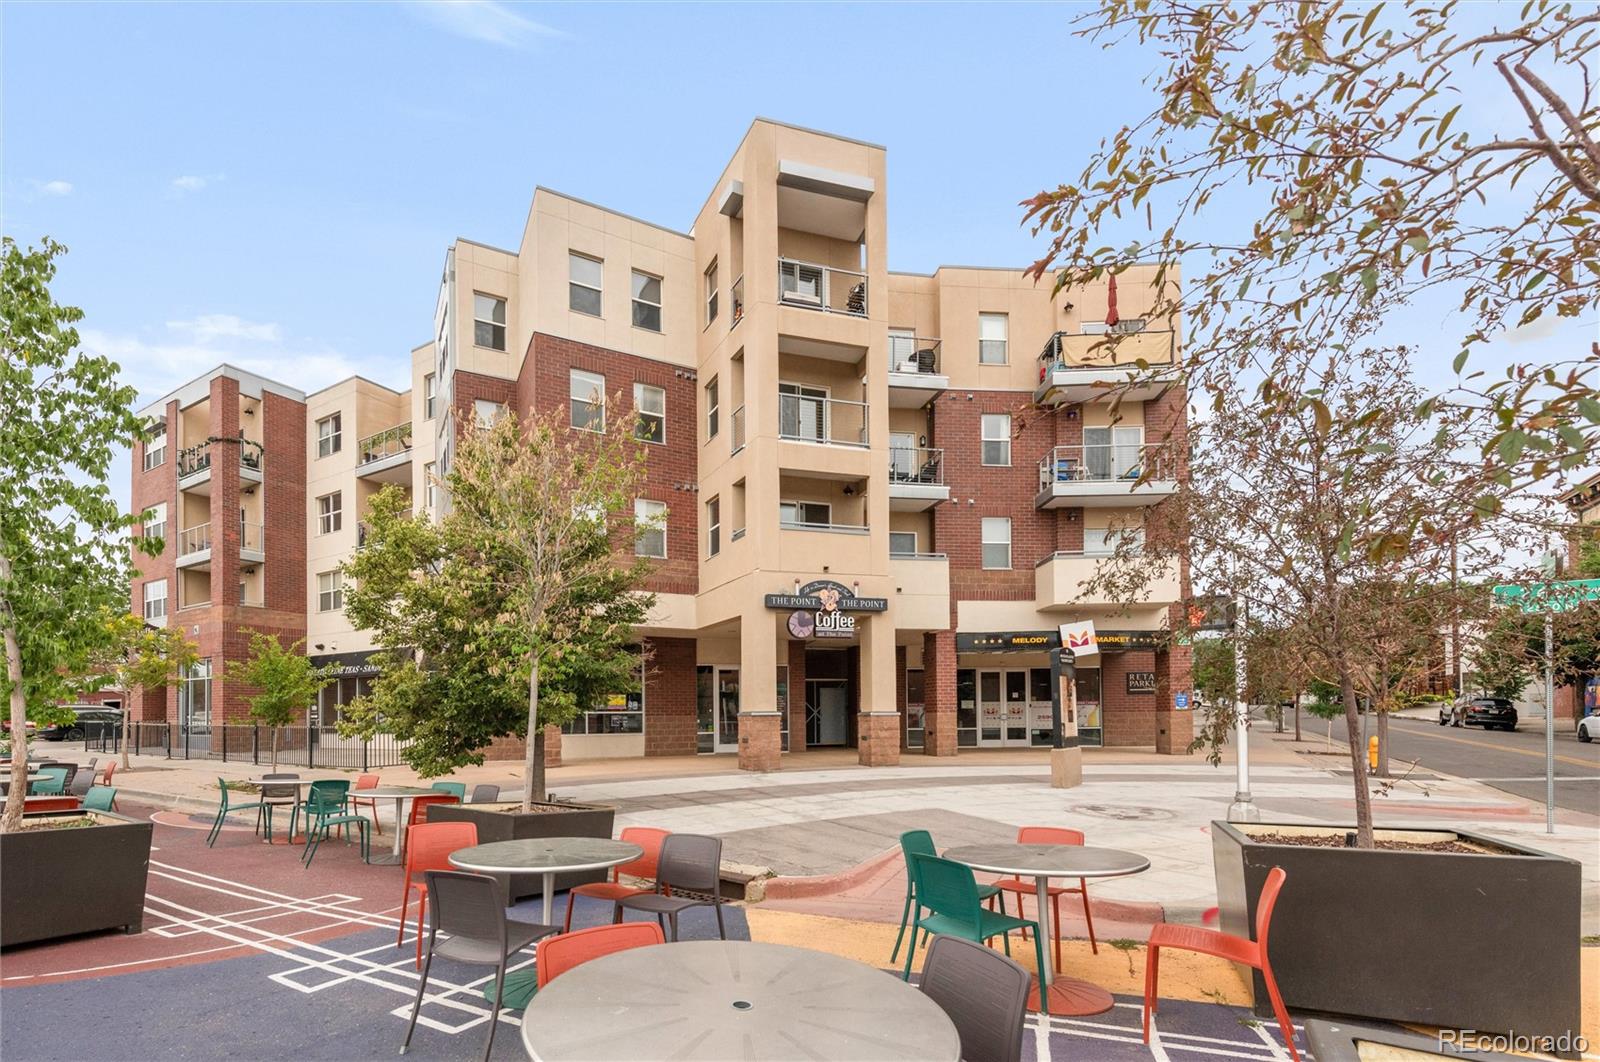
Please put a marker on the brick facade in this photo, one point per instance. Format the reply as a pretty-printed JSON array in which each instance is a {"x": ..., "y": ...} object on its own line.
[{"x": 671, "y": 709}]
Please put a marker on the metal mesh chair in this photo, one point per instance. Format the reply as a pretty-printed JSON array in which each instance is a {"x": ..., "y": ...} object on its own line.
[
  {"x": 485, "y": 793},
  {"x": 689, "y": 862},
  {"x": 278, "y": 796},
  {"x": 81, "y": 782},
  {"x": 984, "y": 993},
  {"x": 469, "y": 909}
]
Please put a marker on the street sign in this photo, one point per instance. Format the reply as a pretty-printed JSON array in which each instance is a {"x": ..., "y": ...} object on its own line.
[
  {"x": 1549, "y": 597},
  {"x": 1180, "y": 701}
]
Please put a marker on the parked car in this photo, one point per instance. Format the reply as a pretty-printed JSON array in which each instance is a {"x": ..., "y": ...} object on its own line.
[
  {"x": 1589, "y": 728},
  {"x": 1491, "y": 713},
  {"x": 91, "y": 718}
]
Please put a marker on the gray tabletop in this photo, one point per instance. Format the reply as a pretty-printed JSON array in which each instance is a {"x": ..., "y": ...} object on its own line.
[
  {"x": 393, "y": 792},
  {"x": 1049, "y": 860},
  {"x": 298, "y": 783},
  {"x": 712, "y": 999},
  {"x": 546, "y": 854}
]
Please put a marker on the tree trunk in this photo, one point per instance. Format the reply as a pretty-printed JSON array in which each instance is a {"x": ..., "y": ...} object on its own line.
[
  {"x": 127, "y": 724},
  {"x": 275, "y": 732},
  {"x": 1358, "y": 759},
  {"x": 1297, "y": 715},
  {"x": 533, "y": 755},
  {"x": 1383, "y": 744},
  {"x": 16, "y": 800}
]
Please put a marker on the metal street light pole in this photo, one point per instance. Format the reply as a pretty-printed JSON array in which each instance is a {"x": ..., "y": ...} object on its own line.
[
  {"x": 1549, "y": 723},
  {"x": 1243, "y": 808}
]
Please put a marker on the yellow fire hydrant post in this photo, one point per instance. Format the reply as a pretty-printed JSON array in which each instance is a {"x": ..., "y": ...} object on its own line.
[{"x": 1372, "y": 752}]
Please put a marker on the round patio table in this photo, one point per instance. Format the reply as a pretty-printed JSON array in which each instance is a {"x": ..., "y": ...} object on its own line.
[
  {"x": 1067, "y": 996},
  {"x": 734, "y": 999},
  {"x": 298, "y": 784},
  {"x": 547, "y": 857},
  {"x": 399, "y": 794}
]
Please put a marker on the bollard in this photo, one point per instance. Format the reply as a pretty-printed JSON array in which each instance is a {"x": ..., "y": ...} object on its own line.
[{"x": 1372, "y": 752}]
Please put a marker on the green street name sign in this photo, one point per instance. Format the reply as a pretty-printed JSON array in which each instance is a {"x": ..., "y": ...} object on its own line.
[{"x": 1549, "y": 597}]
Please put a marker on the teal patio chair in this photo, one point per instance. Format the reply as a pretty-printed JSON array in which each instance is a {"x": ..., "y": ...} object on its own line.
[
  {"x": 326, "y": 809},
  {"x": 950, "y": 891},
  {"x": 100, "y": 798},
  {"x": 455, "y": 789},
  {"x": 337, "y": 789},
  {"x": 224, "y": 808},
  {"x": 52, "y": 782},
  {"x": 915, "y": 843}
]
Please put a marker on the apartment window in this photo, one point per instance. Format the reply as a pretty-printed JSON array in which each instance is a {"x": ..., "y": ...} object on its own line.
[
  {"x": 992, "y": 335},
  {"x": 996, "y": 438},
  {"x": 155, "y": 601},
  {"x": 155, "y": 451},
  {"x": 330, "y": 435},
  {"x": 583, "y": 283},
  {"x": 487, "y": 412},
  {"x": 997, "y": 542},
  {"x": 711, "y": 293},
  {"x": 802, "y": 512},
  {"x": 902, "y": 543},
  {"x": 713, "y": 527},
  {"x": 650, "y": 528},
  {"x": 713, "y": 409},
  {"x": 330, "y": 591},
  {"x": 429, "y": 486},
  {"x": 430, "y": 395},
  {"x": 488, "y": 321},
  {"x": 588, "y": 393},
  {"x": 330, "y": 513},
  {"x": 156, "y": 525},
  {"x": 650, "y": 413},
  {"x": 646, "y": 301}
]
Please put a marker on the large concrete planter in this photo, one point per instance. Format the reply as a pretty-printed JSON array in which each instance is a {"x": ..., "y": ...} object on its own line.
[
  {"x": 504, "y": 821},
  {"x": 57, "y": 883},
  {"x": 1479, "y": 941}
]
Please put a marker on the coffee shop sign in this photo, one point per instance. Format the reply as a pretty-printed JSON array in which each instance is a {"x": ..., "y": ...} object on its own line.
[{"x": 821, "y": 609}]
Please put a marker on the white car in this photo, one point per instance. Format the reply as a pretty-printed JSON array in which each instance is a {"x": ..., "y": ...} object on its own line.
[{"x": 1589, "y": 728}]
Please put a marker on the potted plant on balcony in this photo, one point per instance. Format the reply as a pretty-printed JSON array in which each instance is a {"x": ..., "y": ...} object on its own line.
[
  {"x": 1329, "y": 506},
  {"x": 511, "y": 613}
]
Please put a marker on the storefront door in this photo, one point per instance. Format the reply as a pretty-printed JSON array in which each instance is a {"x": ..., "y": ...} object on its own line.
[
  {"x": 827, "y": 712},
  {"x": 1003, "y": 708},
  {"x": 717, "y": 696}
]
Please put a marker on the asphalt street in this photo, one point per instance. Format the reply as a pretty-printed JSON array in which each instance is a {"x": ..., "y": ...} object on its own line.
[{"x": 1511, "y": 761}]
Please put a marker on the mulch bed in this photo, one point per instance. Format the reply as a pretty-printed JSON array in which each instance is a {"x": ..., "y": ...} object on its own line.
[{"x": 1338, "y": 841}]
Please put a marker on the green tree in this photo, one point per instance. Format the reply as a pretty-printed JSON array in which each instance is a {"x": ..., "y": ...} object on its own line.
[
  {"x": 138, "y": 658},
  {"x": 64, "y": 554},
  {"x": 513, "y": 611},
  {"x": 285, "y": 681}
]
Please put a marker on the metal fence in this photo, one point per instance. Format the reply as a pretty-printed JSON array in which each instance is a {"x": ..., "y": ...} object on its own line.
[{"x": 299, "y": 746}]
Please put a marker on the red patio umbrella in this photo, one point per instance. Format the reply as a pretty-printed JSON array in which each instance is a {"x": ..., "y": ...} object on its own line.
[{"x": 1111, "y": 302}]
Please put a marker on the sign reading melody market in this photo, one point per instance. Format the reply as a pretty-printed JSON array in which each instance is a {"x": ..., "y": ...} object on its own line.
[{"x": 822, "y": 609}]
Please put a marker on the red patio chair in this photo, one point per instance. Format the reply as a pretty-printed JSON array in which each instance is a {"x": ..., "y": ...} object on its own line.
[
  {"x": 647, "y": 837},
  {"x": 428, "y": 847},
  {"x": 111, "y": 766},
  {"x": 1049, "y": 835},
  {"x": 556, "y": 955},
  {"x": 419, "y": 807},
  {"x": 366, "y": 781},
  {"x": 1225, "y": 946}
]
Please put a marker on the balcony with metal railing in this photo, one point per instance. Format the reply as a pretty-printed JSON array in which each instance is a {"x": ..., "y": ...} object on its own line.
[
  {"x": 1103, "y": 475},
  {"x": 736, "y": 298},
  {"x": 194, "y": 546},
  {"x": 193, "y": 460},
  {"x": 736, "y": 431},
  {"x": 916, "y": 376},
  {"x": 916, "y": 478},
  {"x": 193, "y": 464},
  {"x": 252, "y": 542},
  {"x": 1136, "y": 363},
  {"x": 812, "y": 418},
  {"x": 385, "y": 456},
  {"x": 820, "y": 287}
]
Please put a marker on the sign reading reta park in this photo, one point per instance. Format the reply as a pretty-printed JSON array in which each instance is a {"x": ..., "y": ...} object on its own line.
[{"x": 821, "y": 609}]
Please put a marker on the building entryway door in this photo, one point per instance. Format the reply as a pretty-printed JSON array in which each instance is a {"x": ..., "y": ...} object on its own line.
[
  {"x": 717, "y": 709},
  {"x": 1003, "y": 707},
  {"x": 827, "y": 712}
]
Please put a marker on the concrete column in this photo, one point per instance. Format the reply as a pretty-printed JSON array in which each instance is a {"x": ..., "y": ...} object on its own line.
[
  {"x": 878, "y": 725},
  {"x": 760, "y": 728},
  {"x": 939, "y": 693}
]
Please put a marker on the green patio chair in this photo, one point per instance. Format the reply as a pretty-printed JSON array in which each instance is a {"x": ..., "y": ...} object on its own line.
[
  {"x": 225, "y": 807},
  {"x": 950, "y": 891},
  {"x": 325, "y": 809},
  {"x": 100, "y": 798},
  {"x": 336, "y": 788},
  {"x": 455, "y": 789},
  {"x": 52, "y": 782},
  {"x": 915, "y": 843}
]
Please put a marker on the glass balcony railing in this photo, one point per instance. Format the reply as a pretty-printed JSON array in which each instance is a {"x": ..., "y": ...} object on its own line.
[
  {"x": 195, "y": 539},
  {"x": 390, "y": 442},
  {"x": 252, "y": 537},
  {"x": 736, "y": 430}
]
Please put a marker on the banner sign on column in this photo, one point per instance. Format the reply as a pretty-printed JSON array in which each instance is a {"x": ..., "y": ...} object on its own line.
[{"x": 1079, "y": 637}]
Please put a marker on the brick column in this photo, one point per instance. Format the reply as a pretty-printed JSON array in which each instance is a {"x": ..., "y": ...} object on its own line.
[
  {"x": 1174, "y": 729},
  {"x": 900, "y": 689},
  {"x": 939, "y": 693},
  {"x": 797, "y": 696}
]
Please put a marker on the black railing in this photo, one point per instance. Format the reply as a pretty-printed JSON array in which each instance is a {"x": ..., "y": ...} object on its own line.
[
  {"x": 194, "y": 459},
  {"x": 298, "y": 746}
]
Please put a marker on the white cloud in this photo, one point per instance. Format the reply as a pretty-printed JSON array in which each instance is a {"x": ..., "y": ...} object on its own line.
[
  {"x": 192, "y": 182},
  {"x": 56, "y": 188},
  {"x": 483, "y": 20},
  {"x": 210, "y": 326}
]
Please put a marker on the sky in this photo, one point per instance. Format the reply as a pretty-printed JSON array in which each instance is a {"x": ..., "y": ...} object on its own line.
[{"x": 275, "y": 185}]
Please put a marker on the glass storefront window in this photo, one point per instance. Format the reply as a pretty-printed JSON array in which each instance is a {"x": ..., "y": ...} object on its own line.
[
  {"x": 704, "y": 697},
  {"x": 966, "y": 707},
  {"x": 615, "y": 713},
  {"x": 1090, "y": 730},
  {"x": 1039, "y": 715},
  {"x": 332, "y": 698},
  {"x": 194, "y": 697},
  {"x": 915, "y": 711},
  {"x": 783, "y": 706}
]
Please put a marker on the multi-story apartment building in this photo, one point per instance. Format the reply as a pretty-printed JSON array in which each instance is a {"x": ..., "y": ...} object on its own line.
[{"x": 882, "y": 492}]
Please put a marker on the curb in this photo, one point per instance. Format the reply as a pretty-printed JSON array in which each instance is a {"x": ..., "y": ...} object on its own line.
[
  {"x": 165, "y": 801},
  {"x": 801, "y": 887}
]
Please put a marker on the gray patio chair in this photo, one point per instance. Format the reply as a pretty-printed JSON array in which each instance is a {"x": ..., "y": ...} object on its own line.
[
  {"x": 984, "y": 993},
  {"x": 277, "y": 796},
  {"x": 689, "y": 862},
  {"x": 484, "y": 793},
  {"x": 81, "y": 783},
  {"x": 472, "y": 914}
]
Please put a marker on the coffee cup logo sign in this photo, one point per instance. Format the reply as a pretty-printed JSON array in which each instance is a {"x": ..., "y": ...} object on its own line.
[{"x": 822, "y": 609}]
